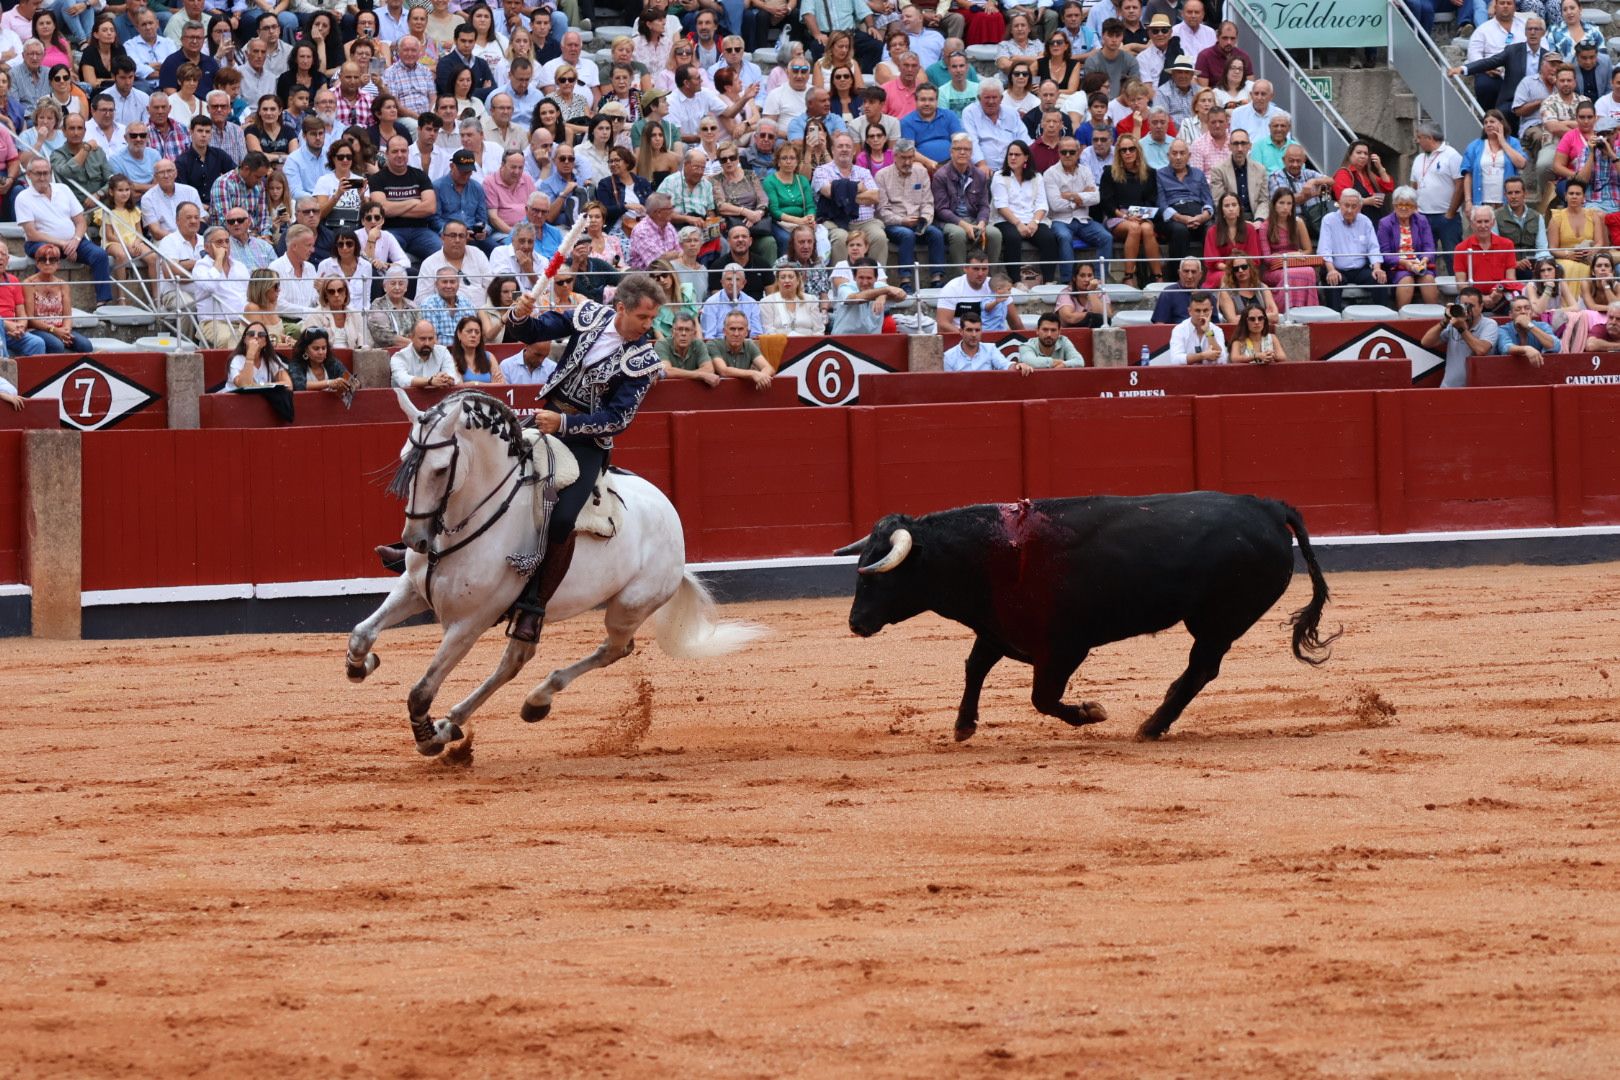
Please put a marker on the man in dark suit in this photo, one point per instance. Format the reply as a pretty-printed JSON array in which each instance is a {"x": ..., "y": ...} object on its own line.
[
  {"x": 1514, "y": 62},
  {"x": 1593, "y": 70}
]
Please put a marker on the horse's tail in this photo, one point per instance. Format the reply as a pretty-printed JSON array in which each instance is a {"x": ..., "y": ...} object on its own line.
[{"x": 688, "y": 629}]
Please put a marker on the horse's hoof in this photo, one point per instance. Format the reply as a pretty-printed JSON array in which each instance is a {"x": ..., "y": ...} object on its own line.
[
  {"x": 533, "y": 714},
  {"x": 1148, "y": 733},
  {"x": 429, "y": 749},
  {"x": 446, "y": 731},
  {"x": 358, "y": 672},
  {"x": 964, "y": 732}
]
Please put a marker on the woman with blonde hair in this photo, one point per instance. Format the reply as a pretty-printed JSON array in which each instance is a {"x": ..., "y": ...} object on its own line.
[
  {"x": 345, "y": 326},
  {"x": 263, "y": 307},
  {"x": 840, "y": 53},
  {"x": 1128, "y": 188},
  {"x": 790, "y": 310}
]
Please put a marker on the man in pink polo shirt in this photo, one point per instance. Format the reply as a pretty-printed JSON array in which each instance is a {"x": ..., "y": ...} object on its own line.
[{"x": 506, "y": 195}]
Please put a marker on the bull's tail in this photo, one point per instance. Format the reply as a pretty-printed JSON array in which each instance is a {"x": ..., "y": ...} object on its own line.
[{"x": 1309, "y": 644}]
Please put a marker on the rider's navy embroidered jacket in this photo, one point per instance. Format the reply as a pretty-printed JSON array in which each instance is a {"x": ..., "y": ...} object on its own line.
[{"x": 605, "y": 397}]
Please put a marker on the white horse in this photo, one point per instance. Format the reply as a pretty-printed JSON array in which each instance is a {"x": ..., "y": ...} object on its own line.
[{"x": 470, "y": 529}]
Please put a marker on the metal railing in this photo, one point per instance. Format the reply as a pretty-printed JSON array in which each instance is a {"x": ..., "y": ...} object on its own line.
[
  {"x": 136, "y": 290},
  {"x": 1446, "y": 98},
  {"x": 1317, "y": 124}
]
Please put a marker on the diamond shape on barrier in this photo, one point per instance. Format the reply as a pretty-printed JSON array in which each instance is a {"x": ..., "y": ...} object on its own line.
[
  {"x": 1388, "y": 343},
  {"x": 830, "y": 374},
  {"x": 93, "y": 397}
]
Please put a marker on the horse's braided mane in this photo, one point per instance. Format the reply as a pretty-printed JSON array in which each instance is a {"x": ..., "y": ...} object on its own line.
[{"x": 480, "y": 412}]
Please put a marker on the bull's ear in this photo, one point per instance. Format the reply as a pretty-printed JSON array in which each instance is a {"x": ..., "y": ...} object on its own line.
[{"x": 853, "y": 549}]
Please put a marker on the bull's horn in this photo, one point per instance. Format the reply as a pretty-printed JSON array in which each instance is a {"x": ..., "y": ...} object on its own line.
[
  {"x": 405, "y": 403},
  {"x": 853, "y": 549},
  {"x": 899, "y": 548}
]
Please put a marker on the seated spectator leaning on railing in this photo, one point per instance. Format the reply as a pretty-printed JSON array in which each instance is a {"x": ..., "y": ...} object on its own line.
[
  {"x": 858, "y": 305},
  {"x": 424, "y": 363},
  {"x": 684, "y": 354},
  {"x": 736, "y": 357},
  {"x": 971, "y": 353},
  {"x": 1196, "y": 340},
  {"x": 1049, "y": 348}
]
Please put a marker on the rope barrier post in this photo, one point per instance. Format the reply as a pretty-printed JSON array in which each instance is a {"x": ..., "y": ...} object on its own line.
[
  {"x": 371, "y": 366},
  {"x": 183, "y": 390},
  {"x": 53, "y": 524}
]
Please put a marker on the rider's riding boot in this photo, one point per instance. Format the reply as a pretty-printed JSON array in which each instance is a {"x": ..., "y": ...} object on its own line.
[
  {"x": 393, "y": 557},
  {"x": 531, "y": 606}
]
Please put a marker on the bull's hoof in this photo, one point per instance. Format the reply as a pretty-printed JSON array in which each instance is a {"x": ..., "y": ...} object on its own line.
[
  {"x": 964, "y": 732},
  {"x": 533, "y": 714},
  {"x": 1149, "y": 733},
  {"x": 1094, "y": 713}
]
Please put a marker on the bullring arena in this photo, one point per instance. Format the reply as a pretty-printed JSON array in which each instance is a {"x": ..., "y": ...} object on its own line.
[{"x": 222, "y": 858}]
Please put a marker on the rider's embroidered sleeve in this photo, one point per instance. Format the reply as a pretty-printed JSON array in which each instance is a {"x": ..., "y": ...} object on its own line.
[
  {"x": 546, "y": 326},
  {"x": 615, "y": 412}
]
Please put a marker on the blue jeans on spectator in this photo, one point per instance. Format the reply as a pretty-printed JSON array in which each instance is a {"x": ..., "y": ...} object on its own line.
[
  {"x": 419, "y": 241},
  {"x": 27, "y": 343},
  {"x": 904, "y": 239},
  {"x": 76, "y": 27},
  {"x": 91, "y": 256},
  {"x": 53, "y": 344},
  {"x": 1478, "y": 12},
  {"x": 1423, "y": 11},
  {"x": 1082, "y": 232},
  {"x": 1447, "y": 234}
]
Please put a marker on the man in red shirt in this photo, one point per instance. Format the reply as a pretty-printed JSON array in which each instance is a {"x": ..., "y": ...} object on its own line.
[
  {"x": 1487, "y": 261},
  {"x": 20, "y": 341}
]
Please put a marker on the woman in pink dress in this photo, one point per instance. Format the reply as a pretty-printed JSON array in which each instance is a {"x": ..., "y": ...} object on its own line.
[{"x": 1285, "y": 235}]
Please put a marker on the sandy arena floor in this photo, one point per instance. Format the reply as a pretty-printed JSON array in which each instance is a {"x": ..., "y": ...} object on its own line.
[{"x": 217, "y": 857}]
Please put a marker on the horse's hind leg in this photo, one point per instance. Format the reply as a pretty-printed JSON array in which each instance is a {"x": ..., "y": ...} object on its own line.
[
  {"x": 622, "y": 623},
  {"x": 458, "y": 641},
  {"x": 512, "y": 660},
  {"x": 400, "y": 604}
]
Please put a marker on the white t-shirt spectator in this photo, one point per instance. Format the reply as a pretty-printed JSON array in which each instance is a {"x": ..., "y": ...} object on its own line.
[
  {"x": 1185, "y": 339},
  {"x": 297, "y": 290},
  {"x": 585, "y": 69},
  {"x": 53, "y": 215},
  {"x": 783, "y": 104},
  {"x": 158, "y": 208}
]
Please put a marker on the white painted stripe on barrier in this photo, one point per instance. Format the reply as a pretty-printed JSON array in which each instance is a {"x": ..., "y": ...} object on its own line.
[
  {"x": 16, "y": 590},
  {"x": 282, "y": 590},
  {"x": 174, "y": 594},
  {"x": 286, "y": 590}
]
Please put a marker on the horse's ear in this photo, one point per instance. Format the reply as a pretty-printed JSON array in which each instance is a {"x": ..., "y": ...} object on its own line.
[{"x": 405, "y": 403}]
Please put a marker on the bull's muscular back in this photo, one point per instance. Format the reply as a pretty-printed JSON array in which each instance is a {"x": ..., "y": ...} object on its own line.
[{"x": 1057, "y": 574}]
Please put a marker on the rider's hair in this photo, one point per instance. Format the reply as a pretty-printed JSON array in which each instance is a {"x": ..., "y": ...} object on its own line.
[{"x": 634, "y": 288}]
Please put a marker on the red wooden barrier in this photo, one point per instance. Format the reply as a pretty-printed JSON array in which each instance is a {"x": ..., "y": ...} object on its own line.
[
  {"x": 1562, "y": 369},
  {"x": 917, "y": 388},
  {"x": 11, "y": 506},
  {"x": 36, "y": 414},
  {"x": 173, "y": 508}
]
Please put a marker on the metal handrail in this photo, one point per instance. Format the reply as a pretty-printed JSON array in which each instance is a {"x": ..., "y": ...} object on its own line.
[
  {"x": 150, "y": 303},
  {"x": 1318, "y": 127},
  {"x": 1446, "y": 98}
]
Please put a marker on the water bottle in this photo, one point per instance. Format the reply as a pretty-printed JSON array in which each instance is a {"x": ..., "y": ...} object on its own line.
[{"x": 1143, "y": 361}]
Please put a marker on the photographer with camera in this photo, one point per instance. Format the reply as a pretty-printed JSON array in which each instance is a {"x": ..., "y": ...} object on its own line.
[{"x": 1466, "y": 331}]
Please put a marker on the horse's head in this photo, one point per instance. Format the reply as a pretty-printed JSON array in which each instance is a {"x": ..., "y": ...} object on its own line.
[{"x": 439, "y": 459}]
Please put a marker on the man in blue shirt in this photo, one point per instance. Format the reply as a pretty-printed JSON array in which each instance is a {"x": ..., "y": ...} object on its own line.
[
  {"x": 1523, "y": 335},
  {"x": 1350, "y": 252},
  {"x": 1185, "y": 203},
  {"x": 1174, "y": 300},
  {"x": 971, "y": 354},
  {"x": 461, "y": 198},
  {"x": 731, "y": 298},
  {"x": 931, "y": 128}
]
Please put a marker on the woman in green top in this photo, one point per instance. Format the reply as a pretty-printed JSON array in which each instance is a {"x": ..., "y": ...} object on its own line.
[
  {"x": 685, "y": 302},
  {"x": 792, "y": 200}
]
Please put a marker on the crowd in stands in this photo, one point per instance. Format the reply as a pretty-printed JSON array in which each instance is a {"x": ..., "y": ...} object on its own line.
[{"x": 309, "y": 166}]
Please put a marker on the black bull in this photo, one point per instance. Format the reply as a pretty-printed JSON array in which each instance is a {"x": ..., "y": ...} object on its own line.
[{"x": 1045, "y": 582}]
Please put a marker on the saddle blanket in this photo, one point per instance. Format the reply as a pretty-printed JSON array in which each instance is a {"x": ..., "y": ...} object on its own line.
[{"x": 603, "y": 514}]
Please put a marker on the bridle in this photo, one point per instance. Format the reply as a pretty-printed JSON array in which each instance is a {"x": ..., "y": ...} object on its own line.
[{"x": 420, "y": 447}]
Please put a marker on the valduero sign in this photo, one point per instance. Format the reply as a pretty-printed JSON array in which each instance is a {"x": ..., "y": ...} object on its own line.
[{"x": 1325, "y": 24}]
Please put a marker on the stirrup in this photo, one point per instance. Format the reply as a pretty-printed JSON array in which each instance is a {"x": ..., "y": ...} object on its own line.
[{"x": 526, "y": 620}]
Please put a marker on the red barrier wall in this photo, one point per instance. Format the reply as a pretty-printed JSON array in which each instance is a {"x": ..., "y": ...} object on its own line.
[
  {"x": 11, "y": 506},
  {"x": 36, "y": 414},
  {"x": 173, "y": 508},
  {"x": 1557, "y": 369},
  {"x": 919, "y": 387}
]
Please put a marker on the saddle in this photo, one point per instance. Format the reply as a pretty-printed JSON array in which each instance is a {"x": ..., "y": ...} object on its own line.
[{"x": 556, "y": 465}]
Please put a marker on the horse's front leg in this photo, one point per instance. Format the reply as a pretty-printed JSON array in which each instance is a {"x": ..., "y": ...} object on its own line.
[
  {"x": 512, "y": 660},
  {"x": 400, "y": 604},
  {"x": 459, "y": 638}
]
